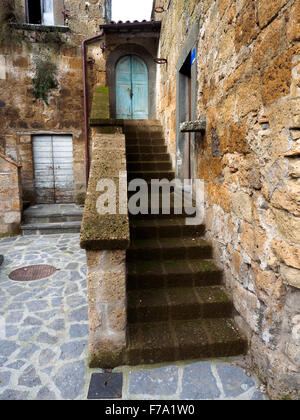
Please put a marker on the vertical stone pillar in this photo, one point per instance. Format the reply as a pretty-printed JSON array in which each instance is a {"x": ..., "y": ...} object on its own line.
[{"x": 106, "y": 283}]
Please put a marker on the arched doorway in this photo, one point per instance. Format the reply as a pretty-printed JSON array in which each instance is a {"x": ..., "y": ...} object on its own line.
[{"x": 132, "y": 88}]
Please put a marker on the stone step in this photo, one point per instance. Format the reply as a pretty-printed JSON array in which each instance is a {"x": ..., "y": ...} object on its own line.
[
  {"x": 151, "y": 175},
  {"x": 145, "y": 141},
  {"x": 169, "y": 248},
  {"x": 164, "y": 228},
  {"x": 52, "y": 213},
  {"x": 148, "y": 157},
  {"x": 50, "y": 228},
  {"x": 162, "y": 342},
  {"x": 143, "y": 274},
  {"x": 146, "y": 148},
  {"x": 178, "y": 303},
  {"x": 149, "y": 166}
]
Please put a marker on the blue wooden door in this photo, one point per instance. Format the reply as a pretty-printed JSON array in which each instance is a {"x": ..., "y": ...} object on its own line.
[{"x": 132, "y": 88}]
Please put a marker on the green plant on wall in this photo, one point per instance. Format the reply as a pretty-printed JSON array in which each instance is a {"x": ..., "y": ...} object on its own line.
[
  {"x": 44, "y": 79},
  {"x": 8, "y": 17}
]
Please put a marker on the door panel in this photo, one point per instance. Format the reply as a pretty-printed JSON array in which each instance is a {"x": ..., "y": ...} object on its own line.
[
  {"x": 131, "y": 88},
  {"x": 123, "y": 88},
  {"x": 53, "y": 169},
  {"x": 63, "y": 168},
  {"x": 43, "y": 169},
  {"x": 140, "y": 89}
]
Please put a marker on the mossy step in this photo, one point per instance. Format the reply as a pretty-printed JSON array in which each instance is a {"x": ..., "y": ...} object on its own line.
[
  {"x": 151, "y": 175},
  {"x": 155, "y": 132},
  {"x": 163, "y": 228},
  {"x": 145, "y": 141},
  {"x": 152, "y": 166},
  {"x": 143, "y": 148},
  {"x": 171, "y": 341},
  {"x": 172, "y": 273},
  {"x": 148, "y": 157},
  {"x": 169, "y": 248},
  {"x": 178, "y": 303}
]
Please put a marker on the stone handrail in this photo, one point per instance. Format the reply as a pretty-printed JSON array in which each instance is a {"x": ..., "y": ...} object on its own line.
[{"x": 106, "y": 238}]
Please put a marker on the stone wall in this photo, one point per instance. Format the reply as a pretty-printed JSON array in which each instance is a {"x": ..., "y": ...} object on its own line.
[
  {"x": 248, "y": 61},
  {"x": 10, "y": 197},
  {"x": 21, "y": 116}
]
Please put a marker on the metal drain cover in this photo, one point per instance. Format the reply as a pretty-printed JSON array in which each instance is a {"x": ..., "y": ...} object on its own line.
[
  {"x": 105, "y": 386},
  {"x": 32, "y": 272}
]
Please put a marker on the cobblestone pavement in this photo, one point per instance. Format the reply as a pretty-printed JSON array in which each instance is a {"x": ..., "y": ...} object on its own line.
[{"x": 44, "y": 336}]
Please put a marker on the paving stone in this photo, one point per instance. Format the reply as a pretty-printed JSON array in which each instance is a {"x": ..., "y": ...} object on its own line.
[
  {"x": 16, "y": 365},
  {"x": 3, "y": 360},
  {"x": 159, "y": 381},
  {"x": 27, "y": 351},
  {"x": 11, "y": 331},
  {"x": 75, "y": 301},
  {"x": 79, "y": 330},
  {"x": 32, "y": 321},
  {"x": 46, "y": 356},
  {"x": 70, "y": 380},
  {"x": 258, "y": 396},
  {"x": 70, "y": 289},
  {"x": 37, "y": 305},
  {"x": 57, "y": 325},
  {"x": 72, "y": 350},
  {"x": 14, "y": 317},
  {"x": 75, "y": 276},
  {"x": 7, "y": 348},
  {"x": 46, "y": 338},
  {"x": 79, "y": 315},
  {"x": 29, "y": 378},
  {"x": 199, "y": 383},
  {"x": 12, "y": 394},
  {"x": 4, "y": 378},
  {"x": 45, "y": 394},
  {"x": 234, "y": 379},
  {"x": 27, "y": 335}
]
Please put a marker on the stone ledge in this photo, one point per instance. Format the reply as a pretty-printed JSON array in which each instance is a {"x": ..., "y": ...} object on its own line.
[
  {"x": 41, "y": 28},
  {"x": 194, "y": 126},
  {"x": 105, "y": 231},
  {"x": 106, "y": 122}
]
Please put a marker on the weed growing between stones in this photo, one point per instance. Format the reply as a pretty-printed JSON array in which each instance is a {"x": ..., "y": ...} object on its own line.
[{"x": 45, "y": 78}]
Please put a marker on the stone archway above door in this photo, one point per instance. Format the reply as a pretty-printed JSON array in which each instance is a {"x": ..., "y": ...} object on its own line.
[{"x": 111, "y": 63}]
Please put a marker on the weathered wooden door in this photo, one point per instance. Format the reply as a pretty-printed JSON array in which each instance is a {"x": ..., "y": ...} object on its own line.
[
  {"x": 132, "y": 88},
  {"x": 53, "y": 169}
]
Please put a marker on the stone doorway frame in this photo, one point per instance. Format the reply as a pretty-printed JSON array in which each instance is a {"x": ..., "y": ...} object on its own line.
[{"x": 189, "y": 45}]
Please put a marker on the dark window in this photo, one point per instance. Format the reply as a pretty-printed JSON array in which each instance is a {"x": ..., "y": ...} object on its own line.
[{"x": 34, "y": 14}]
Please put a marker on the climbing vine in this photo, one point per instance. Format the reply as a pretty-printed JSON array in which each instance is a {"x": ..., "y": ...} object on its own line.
[{"x": 44, "y": 79}]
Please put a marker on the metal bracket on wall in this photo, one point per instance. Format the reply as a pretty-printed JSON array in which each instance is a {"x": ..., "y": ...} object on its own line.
[
  {"x": 194, "y": 126},
  {"x": 160, "y": 60},
  {"x": 159, "y": 9}
]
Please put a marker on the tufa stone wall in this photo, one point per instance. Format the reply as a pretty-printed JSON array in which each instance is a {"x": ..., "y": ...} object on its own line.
[
  {"x": 248, "y": 75},
  {"x": 10, "y": 197},
  {"x": 21, "y": 115}
]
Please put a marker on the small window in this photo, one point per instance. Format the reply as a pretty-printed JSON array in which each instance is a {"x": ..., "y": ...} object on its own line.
[{"x": 40, "y": 12}]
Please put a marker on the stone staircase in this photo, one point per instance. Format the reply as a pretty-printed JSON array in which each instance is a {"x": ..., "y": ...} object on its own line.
[
  {"x": 50, "y": 219},
  {"x": 177, "y": 307}
]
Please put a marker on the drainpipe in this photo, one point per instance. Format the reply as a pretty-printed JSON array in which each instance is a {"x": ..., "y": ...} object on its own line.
[{"x": 85, "y": 98}]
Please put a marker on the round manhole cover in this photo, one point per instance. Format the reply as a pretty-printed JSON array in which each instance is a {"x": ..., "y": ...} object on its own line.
[{"x": 33, "y": 272}]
